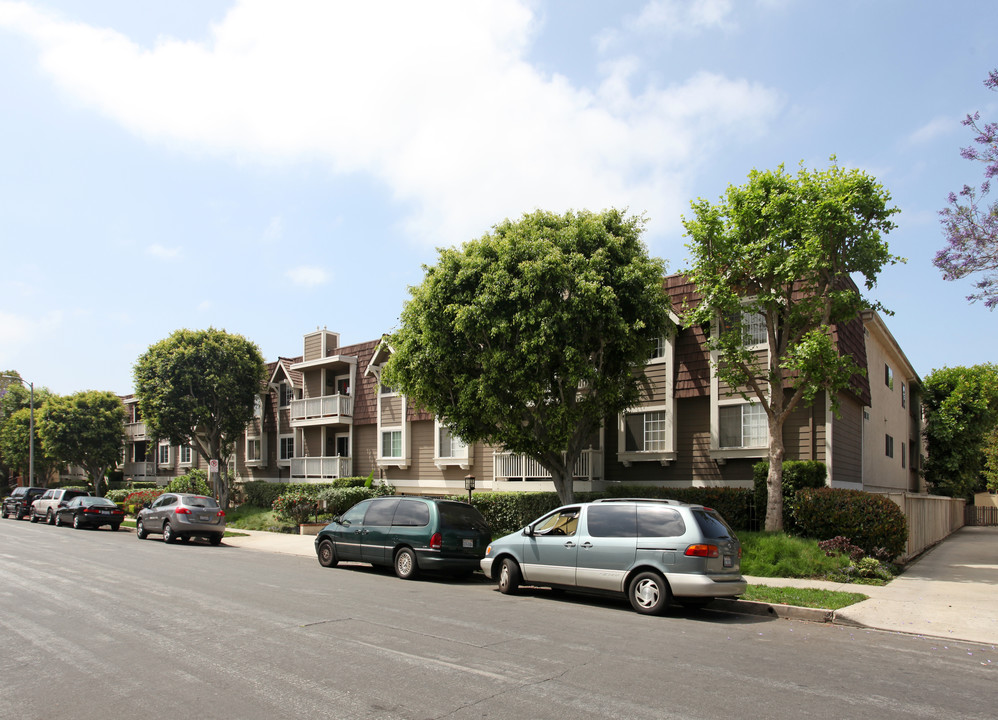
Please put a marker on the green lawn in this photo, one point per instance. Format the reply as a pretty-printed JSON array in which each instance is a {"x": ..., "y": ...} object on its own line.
[{"x": 802, "y": 597}]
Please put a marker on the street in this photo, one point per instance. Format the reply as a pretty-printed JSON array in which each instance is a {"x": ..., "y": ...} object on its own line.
[{"x": 96, "y": 624}]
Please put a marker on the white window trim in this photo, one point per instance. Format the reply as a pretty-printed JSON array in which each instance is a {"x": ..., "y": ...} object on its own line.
[
  {"x": 665, "y": 456},
  {"x": 280, "y": 392},
  {"x": 666, "y": 345},
  {"x": 286, "y": 462},
  {"x": 400, "y": 462},
  {"x": 717, "y": 453},
  {"x": 260, "y": 461},
  {"x": 180, "y": 456},
  {"x": 159, "y": 455},
  {"x": 463, "y": 461}
]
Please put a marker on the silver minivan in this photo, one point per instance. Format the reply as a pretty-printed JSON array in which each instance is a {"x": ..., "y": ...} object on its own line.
[{"x": 654, "y": 551}]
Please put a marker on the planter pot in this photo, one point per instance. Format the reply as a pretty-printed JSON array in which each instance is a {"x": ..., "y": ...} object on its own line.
[{"x": 310, "y": 528}]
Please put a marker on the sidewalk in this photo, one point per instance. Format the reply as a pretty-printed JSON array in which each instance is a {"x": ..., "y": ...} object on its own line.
[{"x": 949, "y": 592}]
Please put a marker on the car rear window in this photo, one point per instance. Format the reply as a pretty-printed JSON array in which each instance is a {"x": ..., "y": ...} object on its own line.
[
  {"x": 95, "y": 501},
  {"x": 611, "y": 521},
  {"x": 69, "y": 494},
  {"x": 200, "y": 501},
  {"x": 660, "y": 522},
  {"x": 712, "y": 525},
  {"x": 411, "y": 513},
  {"x": 457, "y": 516},
  {"x": 381, "y": 512}
]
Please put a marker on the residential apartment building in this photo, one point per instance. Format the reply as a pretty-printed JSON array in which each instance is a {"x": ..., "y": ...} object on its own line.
[{"x": 325, "y": 414}]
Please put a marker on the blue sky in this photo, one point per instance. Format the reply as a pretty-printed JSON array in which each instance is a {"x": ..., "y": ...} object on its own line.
[{"x": 269, "y": 168}]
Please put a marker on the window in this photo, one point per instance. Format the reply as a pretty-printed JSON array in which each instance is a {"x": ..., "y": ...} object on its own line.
[
  {"x": 287, "y": 447},
  {"x": 412, "y": 513},
  {"x": 563, "y": 522},
  {"x": 904, "y": 396},
  {"x": 660, "y": 522},
  {"x": 889, "y": 445},
  {"x": 611, "y": 521},
  {"x": 450, "y": 445},
  {"x": 164, "y": 454},
  {"x": 285, "y": 395},
  {"x": 888, "y": 376},
  {"x": 743, "y": 425},
  {"x": 391, "y": 444},
  {"x": 903, "y": 458},
  {"x": 380, "y": 512},
  {"x": 253, "y": 450},
  {"x": 185, "y": 454},
  {"x": 658, "y": 352},
  {"x": 645, "y": 432},
  {"x": 753, "y": 329},
  {"x": 385, "y": 390}
]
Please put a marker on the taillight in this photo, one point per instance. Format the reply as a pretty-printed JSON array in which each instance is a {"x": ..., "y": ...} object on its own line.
[
  {"x": 91, "y": 510},
  {"x": 220, "y": 513},
  {"x": 436, "y": 541},
  {"x": 182, "y": 511},
  {"x": 707, "y": 551}
]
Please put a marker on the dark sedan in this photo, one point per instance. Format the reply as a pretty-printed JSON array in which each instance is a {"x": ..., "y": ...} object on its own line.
[{"x": 90, "y": 512}]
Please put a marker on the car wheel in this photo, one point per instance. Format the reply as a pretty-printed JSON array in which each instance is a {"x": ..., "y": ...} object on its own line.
[
  {"x": 58, "y": 520},
  {"x": 4, "y": 513},
  {"x": 114, "y": 528},
  {"x": 50, "y": 517},
  {"x": 20, "y": 514},
  {"x": 140, "y": 530},
  {"x": 76, "y": 522},
  {"x": 648, "y": 593},
  {"x": 509, "y": 576},
  {"x": 327, "y": 554},
  {"x": 216, "y": 539},
  {"x": 405, "y": 564},
  {"x": 168, "y": 536},
  {"x": 33, "y": 517}
]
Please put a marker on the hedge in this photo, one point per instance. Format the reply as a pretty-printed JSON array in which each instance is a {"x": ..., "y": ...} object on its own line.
[
  {"x": 797, "y": 475},
  {"x": 262, "y": 494},
  {"x": 872, "y": 522}
]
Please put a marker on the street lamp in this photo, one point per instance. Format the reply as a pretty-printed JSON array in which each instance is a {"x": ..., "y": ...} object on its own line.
[
  {"x": 469, "y": 485},
  {"x": 31, "y": 427}
]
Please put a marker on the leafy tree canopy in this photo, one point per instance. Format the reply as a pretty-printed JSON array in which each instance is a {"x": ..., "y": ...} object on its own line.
[
  {"x": 85, "y": 429},
  {"x": 530, "y": 336},
  {"x": 961, "y": 414},
  {"x": 784, "y": 249},
  {"x": 198, "y": 387},
  {"x": 970, "y": 224}
]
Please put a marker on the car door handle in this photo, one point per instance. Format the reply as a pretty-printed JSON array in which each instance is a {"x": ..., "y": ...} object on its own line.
[
  {"x": 570, "y": 544},
  {"x": 587, "y": 544}
]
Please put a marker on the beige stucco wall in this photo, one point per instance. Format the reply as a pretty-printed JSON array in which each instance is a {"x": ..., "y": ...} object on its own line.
[{"x": 886, "y": 417}]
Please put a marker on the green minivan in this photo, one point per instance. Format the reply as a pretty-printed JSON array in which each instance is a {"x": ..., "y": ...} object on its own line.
[{"x": 408, "y": 533}]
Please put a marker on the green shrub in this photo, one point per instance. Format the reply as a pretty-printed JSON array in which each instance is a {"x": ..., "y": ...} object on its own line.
[
  {"x": 195, "y": 481},
  {"x": 134, "y": 501},
  {"x": 144, "y": 485},
  {"x": 797, "y": 475},
  {"x": 296, "y": 505},
  {"x": 118, "y": 496},
  {"x": 337, "y": 500},
  {"x": 261, "y": 494},
  {"x": 872, "y": 522},
  {"x": 348, "y": 482}
]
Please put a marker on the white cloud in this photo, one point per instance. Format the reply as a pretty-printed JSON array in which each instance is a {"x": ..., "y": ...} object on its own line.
[
  {"x": 274, "y": 230},
  {"x": 307, "y": 276},
  {"x": 18, "y": 331},
  {"x": 936, "y": 127},
  {"x": 435, "y": 100},
  {"x": 164, "y": 253},
  {"x": 677, "y": 17}
]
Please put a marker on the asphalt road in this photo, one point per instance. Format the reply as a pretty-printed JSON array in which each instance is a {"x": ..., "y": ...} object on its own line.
[{"x": 95, "y": 624}]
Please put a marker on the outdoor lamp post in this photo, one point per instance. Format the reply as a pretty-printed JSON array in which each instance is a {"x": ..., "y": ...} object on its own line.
[
  {"x": 31, "y": 427},
  {"x": 469, "y": 485}
]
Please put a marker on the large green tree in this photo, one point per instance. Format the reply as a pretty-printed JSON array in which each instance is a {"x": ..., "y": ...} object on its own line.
[
  {"x": 198, "y": 387},
  {"x": 14, "y": 397},
  {"x": 780, "y": 250},
  {"x": 85, "y": 429},
  {"x": 15, "y": 447},
  {"x": 532, "y": 335},
  {"x": 961, "y": 414}
]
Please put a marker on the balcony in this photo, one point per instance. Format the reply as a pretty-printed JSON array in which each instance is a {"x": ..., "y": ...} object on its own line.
[
  {"x": 511, "y": 467},
  {"x": 323, "y": 410},
  {"x": 135, "y": 431},
  {"x": 320, "y": 468}
]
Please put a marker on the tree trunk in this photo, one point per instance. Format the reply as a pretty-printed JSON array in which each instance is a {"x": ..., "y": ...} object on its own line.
[
  {"x": 563, "y": 485},
  {"x": 774, "y": 480}
]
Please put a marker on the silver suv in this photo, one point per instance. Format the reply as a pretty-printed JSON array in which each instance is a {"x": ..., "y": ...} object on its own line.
[
  {"x": 46, "y": 507},
  {"x": 181, "y": 516},
  {"x": 651, "y": 550}
]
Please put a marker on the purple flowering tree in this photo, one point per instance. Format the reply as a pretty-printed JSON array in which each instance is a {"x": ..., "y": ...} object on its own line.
[{"x": 970, "y": 223}]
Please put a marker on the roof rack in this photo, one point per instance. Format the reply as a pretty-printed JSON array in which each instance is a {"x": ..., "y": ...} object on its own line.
[{"x": 624, "y": 499}]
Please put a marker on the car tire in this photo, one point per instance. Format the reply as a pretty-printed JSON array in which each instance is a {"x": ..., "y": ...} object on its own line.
[
  {"x": 405, "y": 564},
  {"x": 509, "y": 577},
  {"x": 327, "y": 554},
  {"x": 4, "y": 514},
  {"x": 50, "y": 517},
  {"x": 76, "y": 522},
  {"x": 168, "y": 536},
  {"x": 33, "y": 518},
  {"x": 648, "y": 593},
  {"x": 216, "y": 539},
  {"x": 140, "y": 530},
  {"x": 20, "y": 514},
  {"x": 58, "y": 520}
]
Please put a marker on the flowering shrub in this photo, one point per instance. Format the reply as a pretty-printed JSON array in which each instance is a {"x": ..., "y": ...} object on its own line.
[
  {"x": 136, "y": 499},
  {"x": 296, "y": 505}
]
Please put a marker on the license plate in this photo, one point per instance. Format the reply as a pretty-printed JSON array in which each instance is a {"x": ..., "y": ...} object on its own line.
[
  {"x": 204, "y": 518},
  {"x": 468, "y": 543},
  {"x": 105, "y": 512},
  {"x": 729, "y": 561}
]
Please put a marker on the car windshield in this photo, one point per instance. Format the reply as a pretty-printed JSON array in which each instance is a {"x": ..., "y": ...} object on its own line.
[
  {"x": 200, "y": 501},
  {"x": 458, "y": 515},
  {"x": 96, "y": 502},
  {"x": 712, "y": 525}
]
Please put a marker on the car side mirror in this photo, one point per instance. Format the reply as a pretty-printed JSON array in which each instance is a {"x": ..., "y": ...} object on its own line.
[
  {"x": 528, "y": 531},
  {"x": 145, "y": 505}
]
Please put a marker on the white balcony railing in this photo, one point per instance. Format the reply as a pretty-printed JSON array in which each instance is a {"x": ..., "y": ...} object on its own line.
[
  {"x": 322, "y": 468},
  {"x": 325, "y": 406},
  {"x": 135, "y": 431},
  {"x": 512, "y": 467}
]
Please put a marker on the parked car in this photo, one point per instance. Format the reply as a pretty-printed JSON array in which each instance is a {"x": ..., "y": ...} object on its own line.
[
  {"x": 85, "y": 511},
  {"x": 18, "y": 503},
  {"x": 411, "y": 534},
  {"x": 181, "y": 516},
  {"x": 651, "y": 550},
  {"x": 45, "y": 506}
]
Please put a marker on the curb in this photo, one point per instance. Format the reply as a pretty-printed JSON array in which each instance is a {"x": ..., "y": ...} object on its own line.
[{"x": 786, "y": 612}]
